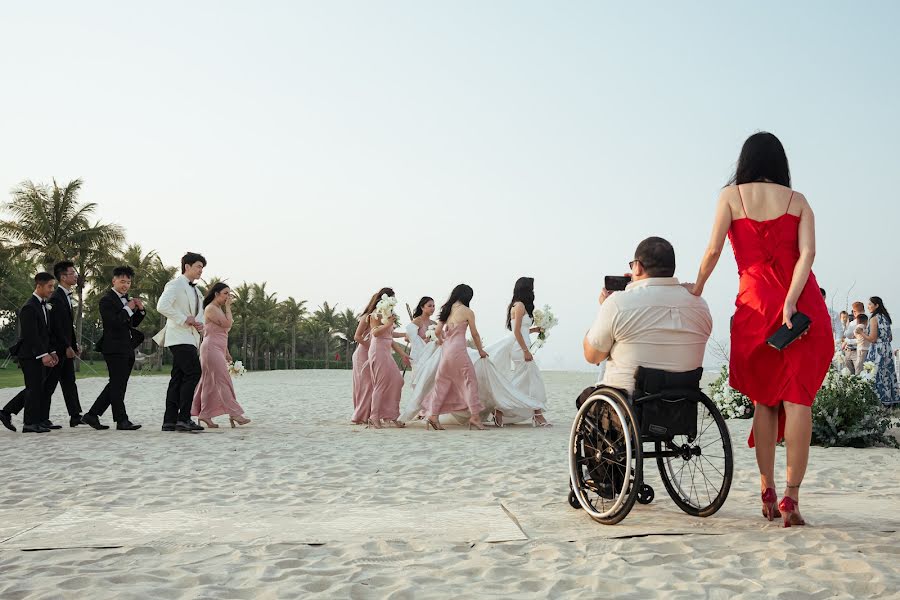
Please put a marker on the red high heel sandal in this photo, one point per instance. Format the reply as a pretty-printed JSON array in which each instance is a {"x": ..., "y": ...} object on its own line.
[
  {"x": 770, "y": 508},
  {"x": 789, "y": 513}
]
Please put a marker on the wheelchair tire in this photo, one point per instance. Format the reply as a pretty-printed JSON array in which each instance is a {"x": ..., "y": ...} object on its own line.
[
  {"x": 573, "y": 501},
  {"x": 645, "y": 494},
  {"x": 698, "y": 481},
  {"x": 605, "y": 457}
]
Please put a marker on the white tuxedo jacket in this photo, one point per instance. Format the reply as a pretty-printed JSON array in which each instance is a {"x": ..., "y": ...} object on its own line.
[{"x": 179, "y": 301}]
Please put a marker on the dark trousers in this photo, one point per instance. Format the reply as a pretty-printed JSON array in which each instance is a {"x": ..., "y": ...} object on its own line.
[
  {"x": 185, "y": 377},
  {"x": 120, "y": 366},
  {"x": 32, "y": 397},
  {"x": 64, "y": 375}
]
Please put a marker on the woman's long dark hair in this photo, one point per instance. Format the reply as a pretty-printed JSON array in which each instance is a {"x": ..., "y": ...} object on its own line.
[
  {"x": 462, "y": 294},
  {"x": 425, "y": 300},
  {"x": 522, "y": 292},
  {"x": 881, "y": 310},
  {"x": 762, "y": 159},
  {"x": 211, "y": 294},
  {"x": 370, "y": 307}
]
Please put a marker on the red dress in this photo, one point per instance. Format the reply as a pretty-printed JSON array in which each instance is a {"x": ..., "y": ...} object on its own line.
[{"x": 766, "y": 253}]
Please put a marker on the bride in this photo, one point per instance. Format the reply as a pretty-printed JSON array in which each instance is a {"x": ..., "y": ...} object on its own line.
[
  {"x": 514, "y": 360},
  {"x": 420, "y": 347}
]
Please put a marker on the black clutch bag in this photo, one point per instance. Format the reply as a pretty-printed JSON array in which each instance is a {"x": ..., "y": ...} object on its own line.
[{"x": 784, "y": 337}]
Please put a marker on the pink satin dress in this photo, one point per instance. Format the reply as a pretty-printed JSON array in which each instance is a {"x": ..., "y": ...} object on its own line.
[
  {"x": 362, "y": 382},
  {"x": 387, "y": 381},
  {"x": 455, "y": 385},
  {"x": 214, "y": 395}
]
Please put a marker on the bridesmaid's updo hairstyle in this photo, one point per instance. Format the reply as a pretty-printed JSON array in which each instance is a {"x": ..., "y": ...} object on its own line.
[
  {"x": 370, "y": 307},
  {"x": 880, "y": 309},
  {"x": 462, "y": 294},
  {"x": 213, "y": 291},
  {"x": 421, "y": 305},
  {"x": 523, "y": 292},
  {"x": 762, "y": 159}
]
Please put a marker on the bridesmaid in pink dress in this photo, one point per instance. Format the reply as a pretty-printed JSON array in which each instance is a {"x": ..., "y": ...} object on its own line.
[
  {"x": 215, "y": 395},
  {"x": 387, "y": 381},
  {"x": 362, "y": 376},
  {"x": 456, "y": 385}
]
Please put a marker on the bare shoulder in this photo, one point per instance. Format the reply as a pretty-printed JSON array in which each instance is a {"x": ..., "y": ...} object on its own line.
[
  {"x": 518, "y": 307},
  {"x": 730, "y": 197},
  {"x": 800, "y": 201}
]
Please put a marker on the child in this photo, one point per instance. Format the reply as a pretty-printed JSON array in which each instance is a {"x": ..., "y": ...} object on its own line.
[{"x": 862, "y": 344}]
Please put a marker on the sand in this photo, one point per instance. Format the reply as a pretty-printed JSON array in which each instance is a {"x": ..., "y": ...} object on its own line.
[{"x": 302, "y": 504}]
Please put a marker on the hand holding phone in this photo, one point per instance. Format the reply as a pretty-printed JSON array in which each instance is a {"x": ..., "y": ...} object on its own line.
[{"x": 616, "y": 283}]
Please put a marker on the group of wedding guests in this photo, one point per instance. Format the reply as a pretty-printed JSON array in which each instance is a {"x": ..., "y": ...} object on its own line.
[
  {"x": 864, "y": 336},
  {"x": 195, "y": 332},
  {"x": 499, "y": 384}
]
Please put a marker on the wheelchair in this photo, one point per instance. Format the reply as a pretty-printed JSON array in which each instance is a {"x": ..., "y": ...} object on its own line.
[{"x": 689, "y": 437}]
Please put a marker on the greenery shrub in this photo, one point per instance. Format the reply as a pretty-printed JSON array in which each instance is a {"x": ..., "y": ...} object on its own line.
[{"x": 847, "y": 412}]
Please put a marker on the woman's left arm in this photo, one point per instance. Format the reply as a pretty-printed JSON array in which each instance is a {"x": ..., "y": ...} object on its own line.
[{"x": 402, "y": 352}]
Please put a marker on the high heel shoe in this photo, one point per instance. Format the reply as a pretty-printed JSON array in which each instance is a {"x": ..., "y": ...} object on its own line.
[
  {"x": 477, "y": 425},
  {"x": 373, "y": 423},
  {"x": 536, "y": 423},
  {"x": 789, "y": 513},
  {"x": 770, "y": 507},
  {"x": 436, "y": 425},
  {"x": 498, "y": 419},
  {"x": 209, "y": 423},
  {"x": 238, "y": 420}
]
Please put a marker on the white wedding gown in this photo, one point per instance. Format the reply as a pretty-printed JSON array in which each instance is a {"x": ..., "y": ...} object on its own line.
[
  {"x": 495, "y": 389},
  {"x": 524, "y": 376}
]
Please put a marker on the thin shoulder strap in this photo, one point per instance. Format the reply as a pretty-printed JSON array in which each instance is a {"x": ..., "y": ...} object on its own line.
[
  {"x": 791, "y": 199},
  {"x": 742, "y": 200}
]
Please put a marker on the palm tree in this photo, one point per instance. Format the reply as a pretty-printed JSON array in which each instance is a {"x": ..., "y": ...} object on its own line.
[
  {"x": 50, "y": 224},
  {"x": 319, "y": 334},
  {"x": 241, "y": 309},
  {"x": 293, "y": 313},
  {"x": 346, "y": 324}
]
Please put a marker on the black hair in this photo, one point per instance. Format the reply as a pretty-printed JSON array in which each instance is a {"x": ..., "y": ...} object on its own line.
[
  {"x": 762, "y": 158},
  {"x": 862, "y": 318},
  {"x": 61, "y": 267},
  {"x": 657, "y": 256},
  {"x": 880, "y": 309},
  {"x": 376, "y": 297},
  {"x": 190, "y": 258},
  {"x": 43, "y": 278},
  {"x": 425, "y": 300},
  {"x": 123, "y": 271},
  {"x": 462, "y": 294},
  {"x": 211, "y": 294},
  {"x": 822, "y": 291},
  {"x": 523, "y": 292}
]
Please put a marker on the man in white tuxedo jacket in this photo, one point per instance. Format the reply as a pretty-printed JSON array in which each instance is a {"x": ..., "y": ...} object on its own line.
[{"x": 182, "y": 306}]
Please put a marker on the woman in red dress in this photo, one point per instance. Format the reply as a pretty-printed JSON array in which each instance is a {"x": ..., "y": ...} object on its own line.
[{"x": 772, "y": 232}]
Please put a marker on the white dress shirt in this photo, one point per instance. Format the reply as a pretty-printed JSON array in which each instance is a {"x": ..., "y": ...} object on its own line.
[
  {"x": 850, "y": 335},
  {"x": 655, "y": 323}
]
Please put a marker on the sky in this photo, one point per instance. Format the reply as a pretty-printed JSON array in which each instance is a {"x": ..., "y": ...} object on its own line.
[{"x": 331, "y": 148}]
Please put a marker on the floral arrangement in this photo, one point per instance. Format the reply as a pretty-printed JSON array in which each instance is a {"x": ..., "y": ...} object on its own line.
[
  {"x": 236, "y": 368},
  {"x": 730, "y": 402},
  {"x": 384, "y": 310},
  {"x": 847, "y": 411},
  {"x": 431, "y": 333},
  {"x": 546, "y": 320}
]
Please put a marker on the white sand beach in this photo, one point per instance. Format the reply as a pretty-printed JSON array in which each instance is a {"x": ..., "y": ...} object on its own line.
[{"x": 302, "y": 504}]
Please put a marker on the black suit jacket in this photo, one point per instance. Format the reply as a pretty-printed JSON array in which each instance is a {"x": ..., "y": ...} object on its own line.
[
  {"x": 62, "y": 322},
  {"x": 36, "y": 338},
  {"x": 120, "y": 335}
]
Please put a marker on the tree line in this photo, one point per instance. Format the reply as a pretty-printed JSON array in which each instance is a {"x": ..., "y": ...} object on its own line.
[{"x": 46, "y": 223}]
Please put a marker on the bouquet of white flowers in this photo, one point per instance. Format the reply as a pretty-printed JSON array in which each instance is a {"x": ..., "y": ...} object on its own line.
[
  {"x": 385, "y": 308},
  {"x": 868, "y": 372},
  {"x": 730, "y": 402},
  {"x": 236, "y": 368},
  {"x": 546, "y": 320},
  {"x": 431, "y": 333}
]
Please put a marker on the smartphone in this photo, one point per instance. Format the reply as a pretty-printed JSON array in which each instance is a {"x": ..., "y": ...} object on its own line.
[
  {"x": 616, "y": 283},
  {"x": 784, "y": 337}
]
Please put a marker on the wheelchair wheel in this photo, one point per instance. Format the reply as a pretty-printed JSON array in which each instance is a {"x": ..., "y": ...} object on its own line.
[
  {"x": 645, "y": 494},
  {"x": 573, "y": 501},
  {"x": 698, "y": 480},
  {"x": 605, "y": 457}
]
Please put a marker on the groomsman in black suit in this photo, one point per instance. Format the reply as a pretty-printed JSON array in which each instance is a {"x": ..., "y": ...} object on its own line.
[
  {"x": 62, "y": 330},
  {"x": 121, "y": 315},
  {"x": 35, "y": 353}
]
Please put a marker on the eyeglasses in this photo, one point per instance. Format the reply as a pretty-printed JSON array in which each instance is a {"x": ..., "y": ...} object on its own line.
[{"x": 632, "y": 263}]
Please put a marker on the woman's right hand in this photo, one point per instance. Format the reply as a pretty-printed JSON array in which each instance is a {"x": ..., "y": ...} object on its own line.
[{"x": 482, "y": 354}]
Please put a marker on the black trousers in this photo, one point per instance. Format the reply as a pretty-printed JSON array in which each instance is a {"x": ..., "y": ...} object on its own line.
[
  {"x": 32, "y": 397},
  {"x": 185, "y": 377},
  {"x": 120, "y": 366},
  {"x": 62, "y": 374}
]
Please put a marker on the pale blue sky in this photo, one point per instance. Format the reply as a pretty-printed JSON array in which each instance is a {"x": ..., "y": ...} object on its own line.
[{"x": 330, "y": 148}]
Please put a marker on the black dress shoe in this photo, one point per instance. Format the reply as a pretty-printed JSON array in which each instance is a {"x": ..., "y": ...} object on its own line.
[
  {"x": 195, "y": 426},
  {"x": 93, "y": 421},
  {"x": 48, "y": 424},
  {"x": 35, "y": 429},
  {"x": 75, "y": 421},
  {"x": 168, "y": 427},
  {"x": 186, "y": 427},
  {"x": 127, "y": 425},
  {"x": 6, "y": 419}
]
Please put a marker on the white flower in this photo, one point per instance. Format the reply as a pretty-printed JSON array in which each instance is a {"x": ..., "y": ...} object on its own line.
[
  {"x": 845, "y": 372},
  {"x": 431, "y": 333},
  {"x": 869, "y": 366},
  {"x": 236, "y": 369},
  {"x": 385, "y": 307}
]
